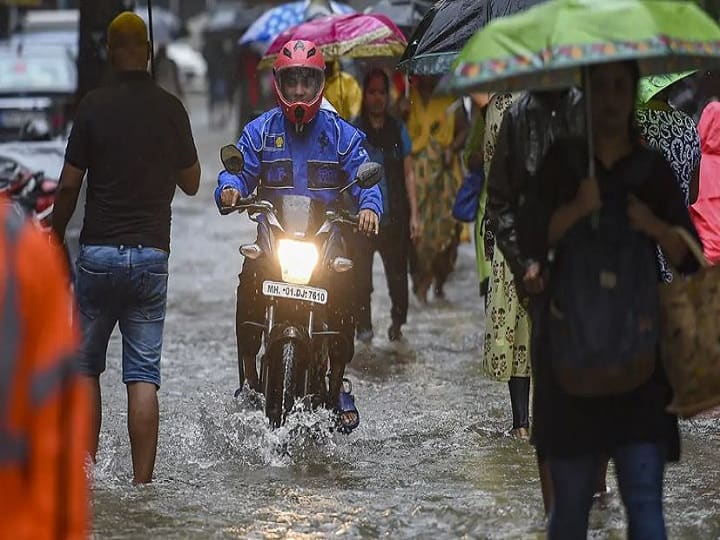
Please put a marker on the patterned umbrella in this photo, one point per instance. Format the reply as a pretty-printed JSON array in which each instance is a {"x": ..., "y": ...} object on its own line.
[
  {"x": 548, "y": 45},
  {"x": 652, "y": 85},
  {"x": 263, "y": 31},
  {"x": 553, "y": 44},
  {"x": 344, "y": 36}
]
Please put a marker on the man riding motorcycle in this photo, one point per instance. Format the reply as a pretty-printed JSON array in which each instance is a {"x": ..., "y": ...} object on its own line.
[{"x": 300, "y": 148}]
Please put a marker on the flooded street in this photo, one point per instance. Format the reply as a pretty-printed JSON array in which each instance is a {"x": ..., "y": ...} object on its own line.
[{"x": 430, "y": 459}]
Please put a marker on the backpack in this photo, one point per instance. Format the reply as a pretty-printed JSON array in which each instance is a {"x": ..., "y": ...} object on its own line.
[{"x": 604, "y": 310}]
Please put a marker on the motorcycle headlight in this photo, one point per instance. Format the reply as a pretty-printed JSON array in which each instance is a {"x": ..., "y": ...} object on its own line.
[{"x": 297, "y": 260}]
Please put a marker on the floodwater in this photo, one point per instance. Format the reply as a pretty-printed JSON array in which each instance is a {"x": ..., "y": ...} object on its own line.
[{"x": 430, "y": 460}]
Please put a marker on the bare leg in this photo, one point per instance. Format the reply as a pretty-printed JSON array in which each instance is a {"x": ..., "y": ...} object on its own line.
[
  {"x": 143, "y": 420},
  {"x": 545, "y": 485},
  {"x": 96, "y": 413}
]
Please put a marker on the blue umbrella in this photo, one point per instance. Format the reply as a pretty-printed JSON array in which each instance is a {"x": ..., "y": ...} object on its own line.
[{"x": 263, "y": 31}]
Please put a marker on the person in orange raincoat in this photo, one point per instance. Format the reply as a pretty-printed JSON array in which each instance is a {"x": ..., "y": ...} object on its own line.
[{"x": 44, "y": 409}]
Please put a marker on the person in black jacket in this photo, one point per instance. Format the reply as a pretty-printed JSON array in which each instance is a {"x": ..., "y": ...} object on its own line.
[
  {"x": 387, "y": 143},
  {"x": 529, "y": 127}
]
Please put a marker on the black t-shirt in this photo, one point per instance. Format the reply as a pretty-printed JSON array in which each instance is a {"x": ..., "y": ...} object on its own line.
[{"x": 132, "y": 137}]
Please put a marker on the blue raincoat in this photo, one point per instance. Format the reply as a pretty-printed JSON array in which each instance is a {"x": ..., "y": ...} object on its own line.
[{"x": 316, "y": 162}]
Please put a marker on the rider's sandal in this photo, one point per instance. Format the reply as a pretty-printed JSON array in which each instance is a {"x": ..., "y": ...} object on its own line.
[{"x": 346, "y": 404}]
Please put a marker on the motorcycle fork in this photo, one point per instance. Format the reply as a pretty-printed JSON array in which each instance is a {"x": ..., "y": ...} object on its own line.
[{"x": 269, "y": 323}]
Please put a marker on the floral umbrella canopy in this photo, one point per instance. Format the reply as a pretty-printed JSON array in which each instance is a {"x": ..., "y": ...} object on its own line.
[
  {"x": 344, "y": 36},
  {"x": 264, "y": 30},
  {"x": 553, "y": 44},
  {"x": 548, "y": 45}
]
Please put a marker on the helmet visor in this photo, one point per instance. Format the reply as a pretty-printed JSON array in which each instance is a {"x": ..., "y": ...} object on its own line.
[{"x": 300, "y": 84}]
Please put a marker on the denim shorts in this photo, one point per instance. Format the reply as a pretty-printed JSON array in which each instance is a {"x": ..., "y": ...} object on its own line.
[{"x": 125, "y": 285}]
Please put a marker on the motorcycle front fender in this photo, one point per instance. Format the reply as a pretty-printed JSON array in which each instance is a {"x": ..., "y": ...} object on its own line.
[{"x": 284, "y": 332}]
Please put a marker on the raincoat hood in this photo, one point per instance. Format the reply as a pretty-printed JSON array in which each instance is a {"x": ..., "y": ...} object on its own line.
[{"x": 709, "y": 129}]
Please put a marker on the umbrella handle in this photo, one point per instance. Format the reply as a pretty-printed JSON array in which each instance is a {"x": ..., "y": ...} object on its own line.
[
  {"x": 587, "y": 91},
  {"x": 152, "y": 41}
]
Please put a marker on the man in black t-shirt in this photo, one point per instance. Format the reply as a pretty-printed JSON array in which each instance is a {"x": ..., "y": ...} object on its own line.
[{"x": 134, "y": 141}]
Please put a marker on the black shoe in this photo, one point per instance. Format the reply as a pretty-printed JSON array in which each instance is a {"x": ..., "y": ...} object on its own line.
[{"x": 394, "y": 332}]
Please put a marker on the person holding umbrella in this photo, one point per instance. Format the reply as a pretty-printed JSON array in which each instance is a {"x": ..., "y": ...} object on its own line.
[
  {"x": 551, "y": 46},
  {"x": 574, "y": 430}
]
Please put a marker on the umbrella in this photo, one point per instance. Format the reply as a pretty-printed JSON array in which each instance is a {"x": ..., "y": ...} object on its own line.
[
  {"x": 652, "y": 85},
  {"x": 445, "y": 29},
  {"x": 407, "y": 14},
  {"x": 547, "y": 45},
  {"x": 350, "y": 36},
  {"x": 264, "y": 30},
  {"x": 551, "y": 45}
]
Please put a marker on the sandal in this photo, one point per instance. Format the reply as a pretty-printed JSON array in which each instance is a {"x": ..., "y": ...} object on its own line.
[{"x": 346, "y": 405}]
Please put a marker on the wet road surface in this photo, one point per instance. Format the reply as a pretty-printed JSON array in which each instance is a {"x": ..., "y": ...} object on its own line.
[{"x": 430, "y": 459}]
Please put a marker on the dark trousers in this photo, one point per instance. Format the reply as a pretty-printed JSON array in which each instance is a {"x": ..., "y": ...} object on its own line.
[
  {"x": 393, "y": 244},
  {"x": 251, "y": 307},
  {"x": 639, "y": 468}
]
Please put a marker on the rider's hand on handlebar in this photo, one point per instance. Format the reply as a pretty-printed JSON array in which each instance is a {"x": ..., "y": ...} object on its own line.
[
  {"x": 229, "y": 197},
  {"x": 368, "y": 222}
]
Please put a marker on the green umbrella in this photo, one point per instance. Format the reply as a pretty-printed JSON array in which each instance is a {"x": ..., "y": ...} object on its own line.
[
  {"x": 652, "y": 85},
  {"x": 552, "y": 45},
  {"x": 548, "y": 45}
]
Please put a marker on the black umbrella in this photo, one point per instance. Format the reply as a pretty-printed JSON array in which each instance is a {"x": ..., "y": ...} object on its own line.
[
  {"x": 445, "y": 29},
  {"x": 407, "y": 14}
]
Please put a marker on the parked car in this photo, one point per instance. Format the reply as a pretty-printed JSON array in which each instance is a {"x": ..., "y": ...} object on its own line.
[
  {"x": 49, "y": 27},
  {"x": 36, "y": 83}
]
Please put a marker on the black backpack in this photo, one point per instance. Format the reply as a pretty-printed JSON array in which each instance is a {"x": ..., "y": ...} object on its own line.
[{"x": 604, "y": 306}]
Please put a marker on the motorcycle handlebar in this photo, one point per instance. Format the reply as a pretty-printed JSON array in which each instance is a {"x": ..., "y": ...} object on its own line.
[
  {"x": 251, "y": 205},
  {"x": 346, "y": 217}
]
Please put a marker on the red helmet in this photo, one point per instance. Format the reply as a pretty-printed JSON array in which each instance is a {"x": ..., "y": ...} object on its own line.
[{"x": 299, "y": 78}]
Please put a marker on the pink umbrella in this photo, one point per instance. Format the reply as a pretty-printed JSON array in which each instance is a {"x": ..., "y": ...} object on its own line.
[{"x": 354, "y": 35}]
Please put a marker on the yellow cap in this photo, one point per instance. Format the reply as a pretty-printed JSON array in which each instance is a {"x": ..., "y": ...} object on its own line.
[{"x": 127, "y": 30}]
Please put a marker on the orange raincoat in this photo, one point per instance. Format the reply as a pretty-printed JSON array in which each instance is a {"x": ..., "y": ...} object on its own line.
[{"x": 44, "y": 414}]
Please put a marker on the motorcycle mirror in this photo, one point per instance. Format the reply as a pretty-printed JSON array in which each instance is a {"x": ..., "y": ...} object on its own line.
[
  {"x": 369, "y": 174},
  {"x": 232, "y": 159}
]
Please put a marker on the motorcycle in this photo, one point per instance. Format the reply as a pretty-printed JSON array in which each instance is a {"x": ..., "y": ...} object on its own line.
[
  {"x": 302, "y": 243},
  {"x": 31, "y": 192}
]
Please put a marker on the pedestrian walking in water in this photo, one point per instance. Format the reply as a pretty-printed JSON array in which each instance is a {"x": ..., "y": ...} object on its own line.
[
  {"x": 134, "y": 141},
  {"x": 387, "y": 143},
  {"x": 506, "y": 345},
  {"x": 438, "y": 128},
  {"x": 167, "y": 74},
  {"x": 44, "y": 409},
  {"x": 526, "y": 126},
  {"x": 582, "y": 416},
  {"x": 675, "y": 134}
]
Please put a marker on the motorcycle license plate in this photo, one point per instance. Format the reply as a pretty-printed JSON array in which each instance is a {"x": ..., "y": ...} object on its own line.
[{"x": 295, "y": 292}]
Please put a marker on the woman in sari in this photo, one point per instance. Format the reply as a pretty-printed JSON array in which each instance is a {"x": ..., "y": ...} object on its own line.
[{"x": 437, "y": 127}]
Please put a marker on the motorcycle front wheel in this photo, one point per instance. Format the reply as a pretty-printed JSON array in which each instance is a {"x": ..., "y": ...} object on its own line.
[{"x": 281, "y": 383}]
